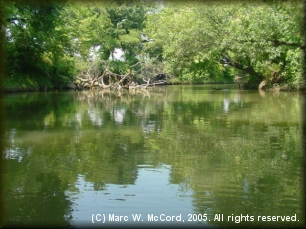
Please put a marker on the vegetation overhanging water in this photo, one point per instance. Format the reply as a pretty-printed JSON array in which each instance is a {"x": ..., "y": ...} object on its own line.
[{"x": 57, "y": 45}]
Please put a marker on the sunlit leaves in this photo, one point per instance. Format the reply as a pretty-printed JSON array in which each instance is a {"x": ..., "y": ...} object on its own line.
[
  {"x": 253, "y": 35},
  {"x": 190, "y": 39}
]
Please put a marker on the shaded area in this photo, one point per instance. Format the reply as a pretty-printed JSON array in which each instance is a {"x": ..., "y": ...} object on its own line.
[{"x": 37, "y": 202}]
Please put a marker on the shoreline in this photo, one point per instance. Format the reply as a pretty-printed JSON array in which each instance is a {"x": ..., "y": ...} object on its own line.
[{"x": 281, "y": 88}]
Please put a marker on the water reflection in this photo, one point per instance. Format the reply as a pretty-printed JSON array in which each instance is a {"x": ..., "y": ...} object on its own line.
[
  {"x": 119, "y": 113},
  {"x": 37, "y": 207},
  {"x": 232, "y": 152},
  {"x": 226, "y": 104},
  {"x": 141, "y": 198}
]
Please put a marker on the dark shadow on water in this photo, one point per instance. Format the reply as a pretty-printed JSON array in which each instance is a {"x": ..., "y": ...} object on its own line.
[{"x": 48, "y": 206}]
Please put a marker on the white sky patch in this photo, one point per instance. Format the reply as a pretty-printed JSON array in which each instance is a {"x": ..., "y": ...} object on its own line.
[
  {"x": 117, "y": 54},
  {"x": 93, "y": 52}
]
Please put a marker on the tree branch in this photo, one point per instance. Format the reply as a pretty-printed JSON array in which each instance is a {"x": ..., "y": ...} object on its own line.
[
  {"x": 249, "y": 69},
  {"x": 12, "y": 19},
  {"x": 285, "y": 43},
  {"x": 277, "y": 42}
]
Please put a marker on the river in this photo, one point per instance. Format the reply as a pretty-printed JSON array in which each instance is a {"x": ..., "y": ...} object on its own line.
[{"x": 174, "y": 155}]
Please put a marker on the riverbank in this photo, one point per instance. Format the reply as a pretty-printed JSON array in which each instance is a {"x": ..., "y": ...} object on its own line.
[
  {"x": 27, "y": 85},
  {"x": 280, "y": 87}
]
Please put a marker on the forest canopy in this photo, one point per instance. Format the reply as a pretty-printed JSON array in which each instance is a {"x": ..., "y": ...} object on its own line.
[{"x": 48, "y": 45}]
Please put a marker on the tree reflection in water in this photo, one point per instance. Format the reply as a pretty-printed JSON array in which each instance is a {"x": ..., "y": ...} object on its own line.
[{"x": 236, "y": 151}]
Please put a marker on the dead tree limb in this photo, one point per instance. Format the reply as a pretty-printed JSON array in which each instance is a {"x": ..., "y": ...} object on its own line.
[{"x": 92, "y": 78}]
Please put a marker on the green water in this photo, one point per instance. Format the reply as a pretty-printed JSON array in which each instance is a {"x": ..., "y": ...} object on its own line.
[{"x": 174, "y": 155}]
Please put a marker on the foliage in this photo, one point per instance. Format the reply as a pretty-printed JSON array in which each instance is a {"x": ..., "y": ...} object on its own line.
[
  {"x": 36, "y": 50},
  {"x": 261, "y": 41},
  {"x": 48, "y": 44},
  {"x": 108, "y": 27}
]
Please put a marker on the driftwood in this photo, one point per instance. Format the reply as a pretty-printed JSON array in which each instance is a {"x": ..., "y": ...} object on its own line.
[
  {"x": 240, "y": 81},
  {"x": 90, "y": 79}
]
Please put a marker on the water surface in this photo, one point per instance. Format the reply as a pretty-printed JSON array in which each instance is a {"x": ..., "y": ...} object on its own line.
[{"x": 187, "y": 154}]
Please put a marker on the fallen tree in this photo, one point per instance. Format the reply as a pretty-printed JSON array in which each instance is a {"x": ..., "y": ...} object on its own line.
[{"x": 105, "y": 79}]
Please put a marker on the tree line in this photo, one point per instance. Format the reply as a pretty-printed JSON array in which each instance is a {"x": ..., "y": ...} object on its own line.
[{"x": 255, "y": 44}]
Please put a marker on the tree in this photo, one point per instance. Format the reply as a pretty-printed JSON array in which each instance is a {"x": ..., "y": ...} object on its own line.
[
  {"x": 261, "y": 41},
  {"x": 38, "y": 53},
  {"x": 100, "y": 30}
]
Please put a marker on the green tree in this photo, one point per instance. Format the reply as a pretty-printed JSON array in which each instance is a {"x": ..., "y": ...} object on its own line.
[
  {"x": 127, "y": 24},
  {"x": 261, "y": 41},
  {"x": 104, "y": 28},
  {"x": 38, "y": 53}
]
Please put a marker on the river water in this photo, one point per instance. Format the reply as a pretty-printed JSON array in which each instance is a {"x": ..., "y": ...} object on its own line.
[{"x": 174, "y": 155}]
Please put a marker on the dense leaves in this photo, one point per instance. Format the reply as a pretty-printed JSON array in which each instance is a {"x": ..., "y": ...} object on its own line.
[
  {"x": 262, "y": 42},
  {"x": 47, "y": 44},
  {"x": 37, "y": 52}
]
